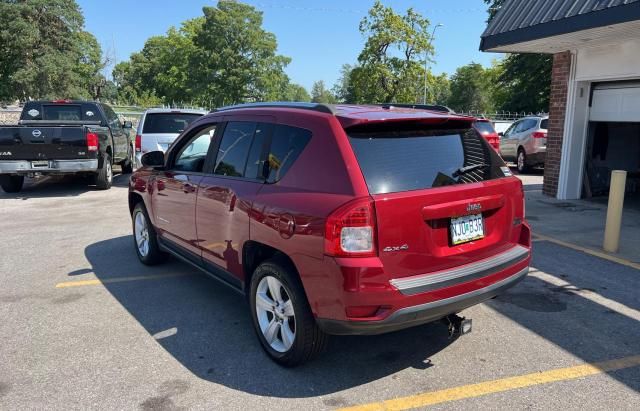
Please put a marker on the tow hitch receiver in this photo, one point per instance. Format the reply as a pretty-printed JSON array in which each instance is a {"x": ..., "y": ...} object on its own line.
[{"x": 457, "y": 325}]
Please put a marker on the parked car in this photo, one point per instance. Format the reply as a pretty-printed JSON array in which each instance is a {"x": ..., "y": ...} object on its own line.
[
  {"x": 486, "y": 130},
  {"x": 159, "y": 127},
  {"x": 335, "y": 219},
  {"x": 525, "y": 142},
  {"x": 64, "y": 137}
]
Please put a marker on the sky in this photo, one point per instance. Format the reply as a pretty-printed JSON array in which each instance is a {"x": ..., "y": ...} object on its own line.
[{"x": 320, "y": 36}]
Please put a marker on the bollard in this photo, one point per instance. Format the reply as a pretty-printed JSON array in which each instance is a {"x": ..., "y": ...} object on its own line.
[{"x": 614, "y": 211}]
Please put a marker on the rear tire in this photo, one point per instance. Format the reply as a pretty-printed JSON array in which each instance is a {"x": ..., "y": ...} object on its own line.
[
  {"x": 127, "y": 165},
  {"x": 11, "y": 184},
  {"x": 521, "y": 161},
  {"x": 145, "y": 238},
  {"x": 283, "y": 307},
  {"x": 104, "y": 178}
]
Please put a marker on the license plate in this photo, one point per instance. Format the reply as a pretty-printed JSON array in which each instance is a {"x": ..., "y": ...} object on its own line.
[
  {"x": 467, "y": 228},
  {"x": 40, "y": 164}
]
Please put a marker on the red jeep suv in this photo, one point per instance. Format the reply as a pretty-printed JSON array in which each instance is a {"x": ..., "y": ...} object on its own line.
[{"x": 335, "y": 219}]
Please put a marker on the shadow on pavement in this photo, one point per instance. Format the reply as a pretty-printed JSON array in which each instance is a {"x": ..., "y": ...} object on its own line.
[
  {"x": 60, "y": 186},
  {"x": 585, "y": 328},
  {"x": 207, "y": 328}
]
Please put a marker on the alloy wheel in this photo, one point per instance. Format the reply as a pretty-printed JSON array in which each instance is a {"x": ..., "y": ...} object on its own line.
[
  {"x": 276, "y": 315},
  {"x": 141, "y": 232}
]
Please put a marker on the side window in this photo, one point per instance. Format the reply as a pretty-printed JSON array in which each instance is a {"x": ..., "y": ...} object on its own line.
[
  {"x": 286, "y": 145},
  {"x": 255, "y": 162},
  {"x": 527, "y": 125},
  {"x": 234, "y": 148},
  {"x": 512, "y": 128},
  {"x": 112, "y": 117},
  {"x": 192, "y": 156}
]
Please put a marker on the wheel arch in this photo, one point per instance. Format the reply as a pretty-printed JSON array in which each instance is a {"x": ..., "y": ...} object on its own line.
[{"x": 255, "y": 253}]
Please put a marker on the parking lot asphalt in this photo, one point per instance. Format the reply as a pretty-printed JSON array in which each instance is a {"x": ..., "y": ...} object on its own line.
[{"x": 84, "y": 325}]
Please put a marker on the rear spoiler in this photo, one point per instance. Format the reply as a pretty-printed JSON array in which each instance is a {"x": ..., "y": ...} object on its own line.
[{"x": 60, "y": 122}]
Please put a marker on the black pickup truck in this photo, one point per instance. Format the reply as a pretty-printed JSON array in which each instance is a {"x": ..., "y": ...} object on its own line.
[{"x": 62, "y": 137}]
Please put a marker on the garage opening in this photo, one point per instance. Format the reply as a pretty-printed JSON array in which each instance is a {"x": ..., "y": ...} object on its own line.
[{"x": 613, "y": 140}]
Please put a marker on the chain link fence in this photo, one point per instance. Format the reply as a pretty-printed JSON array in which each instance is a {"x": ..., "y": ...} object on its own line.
[{"x": 501, "y": 115}]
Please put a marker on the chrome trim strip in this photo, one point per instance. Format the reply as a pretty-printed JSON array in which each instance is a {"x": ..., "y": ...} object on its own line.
[
  {"x": 59, "y": 166},
  {"x": 455, "y": 299},
  {"x": 441, "y": 279}
]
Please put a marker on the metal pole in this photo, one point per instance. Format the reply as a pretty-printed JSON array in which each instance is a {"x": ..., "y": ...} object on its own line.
[
  {"x": 426, "y": 60},
  {"x": 614, "y": 211}
]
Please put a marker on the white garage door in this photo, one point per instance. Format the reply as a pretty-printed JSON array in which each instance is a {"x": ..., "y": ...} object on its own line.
[{"x": 616, "y": 102}]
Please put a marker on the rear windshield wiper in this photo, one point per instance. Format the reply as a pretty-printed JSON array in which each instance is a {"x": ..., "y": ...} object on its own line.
[{"x": 468, "y": 169}]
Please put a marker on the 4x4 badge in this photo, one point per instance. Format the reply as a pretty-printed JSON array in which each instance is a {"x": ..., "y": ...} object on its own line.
[{"x": 396, "y": 248}]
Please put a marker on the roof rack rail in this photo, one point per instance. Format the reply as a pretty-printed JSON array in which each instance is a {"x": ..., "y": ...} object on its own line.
[
  {"x": 321, "y": 108},
  {"x": 432, "y": 107}
]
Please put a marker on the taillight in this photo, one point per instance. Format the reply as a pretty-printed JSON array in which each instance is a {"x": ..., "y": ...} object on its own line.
[
  {"x": 138, "y": 143},
  {"x": 539, "y": 134},
  {"x": 92, "y": 142},
  {"x": 350, "y": 230}
]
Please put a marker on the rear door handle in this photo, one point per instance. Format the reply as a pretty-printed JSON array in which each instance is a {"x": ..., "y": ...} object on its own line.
[{"x": 188, "y": 188}]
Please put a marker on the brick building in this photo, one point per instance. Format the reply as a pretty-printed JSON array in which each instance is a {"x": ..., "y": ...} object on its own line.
[{"x": 594, "y": 110}]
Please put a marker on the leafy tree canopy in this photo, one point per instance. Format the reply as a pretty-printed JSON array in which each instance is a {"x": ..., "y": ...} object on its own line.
[
  {"x": 223, "y": 57},
  {"x": 525, "y": 79},
  {"x": 320, "y": 94},
  {"x": 391, "y": 64},
  {"x": 45, "y": 52},
  {"x": 471, "y": 89}
]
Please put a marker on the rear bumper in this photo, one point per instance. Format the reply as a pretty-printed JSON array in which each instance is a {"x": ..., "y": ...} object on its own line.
[
  {"x": 537, "y": 157},
  {"x": 54, "y": 167},
  {"x": 422, "y": 313}
]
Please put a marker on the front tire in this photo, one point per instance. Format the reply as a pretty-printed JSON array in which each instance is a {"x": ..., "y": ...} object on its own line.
[
  {"x": 521, "y": 161},
  {"x": 104, "y": 178},
  {"x": 11, "y": 184},
  {"x": 282, "y": 317},
  {"x": 145, "y": 238}
]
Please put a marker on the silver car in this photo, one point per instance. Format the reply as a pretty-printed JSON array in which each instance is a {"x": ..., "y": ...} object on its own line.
[
  {"x": 159, "y": 127},
  {"x": 525, "y": 142}
]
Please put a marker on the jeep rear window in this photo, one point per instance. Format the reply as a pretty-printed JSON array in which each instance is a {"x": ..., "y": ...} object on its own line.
[
  {"x": 174, "y": 123},
  {"x": 418, "y": 159},
  {"x": 64, "y": 112}
]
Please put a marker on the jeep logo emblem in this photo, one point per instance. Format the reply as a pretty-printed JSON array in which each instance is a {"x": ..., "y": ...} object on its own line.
[
  {"x": 36, "y": 133},
  {"x": 474, "y": 207}
]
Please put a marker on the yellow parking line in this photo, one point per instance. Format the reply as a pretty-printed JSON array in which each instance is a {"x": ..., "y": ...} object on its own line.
[
  {"x": 590, "y": 251},
  {"x": 82, "y": 283},
  {"x": 505, "y": 384}
]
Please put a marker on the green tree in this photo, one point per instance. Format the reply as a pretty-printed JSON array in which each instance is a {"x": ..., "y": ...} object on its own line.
[
  {"x": 525, "y": 79},
  {"x": 471, "y": 89},
  {"x": 236, "y": 58},
  {"x": 341, "y": 89},
  {"x": 391, "y": 64},
  {"x": 438, "y": 89},
  {"x": 223, "y": 57},
  {"x": 295, "y": 92},
  {"x": 45, "y": 52},
  {"x": 320, "y": 94}
]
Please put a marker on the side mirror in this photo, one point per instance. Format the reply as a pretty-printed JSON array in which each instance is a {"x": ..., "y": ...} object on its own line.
[
  {"x": 501, "y": 134},
  {"x": 153, "y": 159},
  {"x": 127, "y": 124}
]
